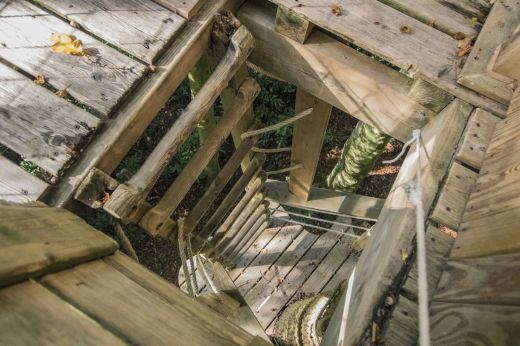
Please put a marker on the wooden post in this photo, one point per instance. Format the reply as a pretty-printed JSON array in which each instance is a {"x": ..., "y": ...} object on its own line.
[
  {"x": 292, "y": 25},
  {"x": 508, "y": 61},
  {"x": 308, "y": 136}
]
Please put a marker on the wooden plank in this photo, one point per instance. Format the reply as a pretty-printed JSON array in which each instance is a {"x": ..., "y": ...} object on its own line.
[
  {"x": 31, "y": 315},
  {"x": 507, "y": 60},
  {"x": 326, "y": 200},
  {"x": 39, "y": 125},
  {"x": 485, "y": 280},
  {"x": 250, "y": 237},
  {"x": 402, "y": 327},
  {"x": 269, "y": 307},
  {"x": 111, "y": 146},
  {"x": 395, "y": 230},
  {"x": 436, "y": 14},
  {"x": 186, "y": 8},
  {"x": 474, "y": 324},
  {"x": 308, "y": 136},
  {"x": 98, "y": 80},
  {"x": 422, "y": 50},
  {"x": 35, "y": 241},
  {"x": 107, "y": 295},
  {"x": 453, "y": 196},
  {"x": 476, "y": 138},
  {"x": 335, "y": 73},
  {"x": 141, "y": 28},
  {"x": 476, "y": 73},
  {"x": 472, "y": 8},
  {"x": 266, "y": 257},
  {"x": 17, "y": 185},
  {"x": 127, "y": 197},
  {"x": 290, "y": 24}
]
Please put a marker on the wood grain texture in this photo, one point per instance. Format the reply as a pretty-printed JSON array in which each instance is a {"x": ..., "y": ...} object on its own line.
[
  {"x": 140, "y": 27},
  {"x": 472, "y": 8},
  {"x": 326, "y": 200},
  {"x": 290, "y": 24},
  {"x": 98, "y": 80},
  {"x": 476, "y": 73},
  {"x": 485, "y": 280},
  {"x": 186, "y": 8},
  {"x": 335, "y": 73},
  {"x": 308, "y": 137},
  {"x": 394, "y": 233},
  {"x": 476, "y": 138},
  {"x": 507, "y": 60},
  {"x": 149, "y": 318},
  {"x": 34, "y": 241},
  {"x": 456, "y": 324},
  {"x": 39, "y": 125},
  {"x": 110, "y": 147},
  {"x": 17, "y": 185},
  {"x": 453, "y": 196},
  {"x": 375, "y": 27},
  {"x": 32, "y": 315},
  {"x": 402, "y": 327},
  {"x": 434, "y": 13}
]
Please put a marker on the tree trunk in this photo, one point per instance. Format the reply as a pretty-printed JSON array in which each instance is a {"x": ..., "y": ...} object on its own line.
[
  {"x": 361, "y": 151},
  {"x": 197, "y": 78}
]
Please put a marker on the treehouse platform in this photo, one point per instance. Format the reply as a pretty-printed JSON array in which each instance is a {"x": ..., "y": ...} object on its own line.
[{"x": 264, "y": 260}]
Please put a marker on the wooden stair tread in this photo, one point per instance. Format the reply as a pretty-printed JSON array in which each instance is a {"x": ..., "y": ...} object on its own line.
[
  {"x": 39, "y": 240},
  {"x": 18, "y": 185},
  {"x": 98, "y": 80},
  {"x": 140, "y": 27},
  {"x": 186, "y": 8},
  {"x": 32, "y": 314}
]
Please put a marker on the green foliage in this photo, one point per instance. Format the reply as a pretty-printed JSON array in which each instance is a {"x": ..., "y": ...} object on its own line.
[
  {"x": 30, "y": 167},
  {"x": 104, "y": 222},
  {"x": 186, "y": 152}
]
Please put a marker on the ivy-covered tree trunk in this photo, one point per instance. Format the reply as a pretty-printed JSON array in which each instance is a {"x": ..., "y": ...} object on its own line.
[
  {"x": 197, "y": 77},
  {"x": 361, "y": 151}
]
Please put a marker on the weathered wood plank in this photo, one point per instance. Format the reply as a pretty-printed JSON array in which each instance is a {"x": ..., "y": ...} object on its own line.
[
  {"x": 486, "y": 280},
  {"x": 507, "y": 60},
  {"x": 476, "y": 73},
  {"x": 454, "y": 196},
  {"x": 402, "y": 327},
  {"x": 17, "y": 185},
  {"x": 421, "y": 50},
  {"x": 477, "y": 324},
  {"x": 99, "y": 79},
  {"x": 111, "y": 146},
  {"x": 290, "y": 24},
  {"x": 186, "y": 8},
  {"x": 141, "y": 28},
  {"x": 434, "y": 13},
  {"x": 342, "y": 275},
  {"x": 39, "y": 125},
  {"x": 106, "y": 294},
  {"x": 308, "y": 137},
  {"x": 34, "y": 241},
  {"x": 326, "y": 200},
  {"x": 473, "y": 8},
  {"x": 395, "y": 230},
  {"x": 476, "y": 138},
  {"x": 337, "y": 74},
  {"x": 31, "y": 315}
]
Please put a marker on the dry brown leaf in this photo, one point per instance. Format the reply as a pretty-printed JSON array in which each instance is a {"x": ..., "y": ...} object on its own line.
[
  {"x": 464, "y": 46},
  {"x": 62, "y": 93},
  {"x": 404, "y": 256},
  {"x": 337, "y": 10},
  {"x": 40, "y": 80},
  {"x": 459, "y": 36},
  {"x": 66, "y": 44},
  {"x": 105, "y": 198},
  {"x": 74, "y": 24},
  {"x": 405, "y": 29}
]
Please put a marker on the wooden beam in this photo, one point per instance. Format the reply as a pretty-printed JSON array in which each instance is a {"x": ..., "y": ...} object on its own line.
[
  {"x": 17, "y": 185},
  {"x": 507, "y": 61},
  {"x": 126, "y": 198},
  {"x": 292, "y": 25},
  {"x": 326, "y": 200},
  {"x": 337, "y": 74},
  {"x": 394, "y": 233},
  {"x": 108, "y": 149},
  {"x": 186, "y": 8},
  {"x": 308, "y": 136}
]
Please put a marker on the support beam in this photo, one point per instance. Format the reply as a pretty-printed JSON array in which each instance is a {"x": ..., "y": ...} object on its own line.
[
  {"x": 337, "y": 74},
  {"x": 292, "y": 25},
  {"x": 308, "y": 136}
]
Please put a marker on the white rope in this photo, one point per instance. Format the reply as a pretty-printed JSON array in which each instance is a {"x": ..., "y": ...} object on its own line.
[
  {"x": 314, "y": 226},
  {"x": 270, "y": 150},
  {"x": 285, "y": 170},
  {"x": 329, "y": 212},
  {"x": 344, "y": 316},
  {"x": 276, "y": 126}
]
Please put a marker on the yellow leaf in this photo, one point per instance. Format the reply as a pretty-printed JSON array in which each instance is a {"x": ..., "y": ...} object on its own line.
[
  {"x": 40, "y": 80},
  {"x": 65, "y": 44},
  {"x": 62, "y": 93}
]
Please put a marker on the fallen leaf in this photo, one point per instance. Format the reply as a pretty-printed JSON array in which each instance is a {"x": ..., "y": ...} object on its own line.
[
  {"x": 404, "y": 256},
  {"x": 459, "y": 36},
  {"x": 337, "y": 10},
  {"x": 65, "y": 44},
  {"x": 74, "y": 24},
  {"x": 464, "y": 46},
  {"x": 40, "y": 80},
  {"x": 105, "y": 198},
  {"x": 405, "y": 29},
  {"x": 473, "y": 22},
  {"x": 62, "y": 93},
  {"x": 375, "y": 332}
]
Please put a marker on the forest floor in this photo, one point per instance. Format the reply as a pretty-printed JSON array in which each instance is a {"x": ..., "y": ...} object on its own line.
[{"x": 276, "y": 102}]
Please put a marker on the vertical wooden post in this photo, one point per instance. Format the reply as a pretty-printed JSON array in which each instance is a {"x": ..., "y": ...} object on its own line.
[{"x": 308, "y": 136}]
